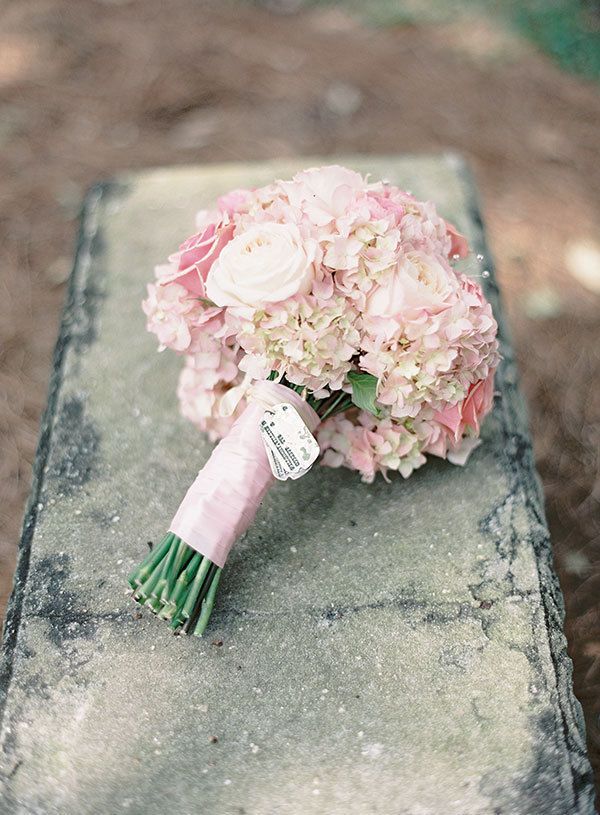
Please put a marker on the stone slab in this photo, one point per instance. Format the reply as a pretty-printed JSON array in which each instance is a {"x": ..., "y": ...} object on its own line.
[{"x": 393, "y": 649}]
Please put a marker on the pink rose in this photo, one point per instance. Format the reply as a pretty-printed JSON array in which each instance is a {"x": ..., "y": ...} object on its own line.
[
  {"x": 196, "y": 256},
  {"x": 459, "y": 245},
  {"x": 467, "y": 415}
]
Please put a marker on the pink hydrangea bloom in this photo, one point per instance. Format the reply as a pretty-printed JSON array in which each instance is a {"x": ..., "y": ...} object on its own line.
[
  {"x": 370, "y": 445},
  {"x": 208, "y": 375},
  {"x": 311, "y": 341},
  {"x": 170, "y": 312},
  {"x": 430, "y": 357},
  {"x": 235, "y": 201}
]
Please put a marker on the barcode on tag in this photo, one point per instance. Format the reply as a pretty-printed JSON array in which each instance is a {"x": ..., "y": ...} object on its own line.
[{"x": 291, "y": 447}]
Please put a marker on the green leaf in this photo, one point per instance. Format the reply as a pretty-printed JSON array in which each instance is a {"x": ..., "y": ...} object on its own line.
[{"x": 364, "y": 391}]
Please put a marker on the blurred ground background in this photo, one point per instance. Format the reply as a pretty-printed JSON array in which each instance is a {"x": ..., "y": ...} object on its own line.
[{"x": 88, "y": 87}]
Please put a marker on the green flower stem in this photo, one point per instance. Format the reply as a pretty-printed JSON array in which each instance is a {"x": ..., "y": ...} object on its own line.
[
  {"x": 154, "y": 604},
  {"x": 146, "y": 567},
  {"x": 143, "y": 592},
  {"x": 178, "y": 597},
  {"x": 335, "y": 403},
  {"x": 193, "y": 619},
  {"x": 156, "y": 592},
  {"x": 182, "y": 556},
  {"x": 207, "y": 605},
  {"x": 343, "y": 406},
  {"x": 196, "y": 587}
]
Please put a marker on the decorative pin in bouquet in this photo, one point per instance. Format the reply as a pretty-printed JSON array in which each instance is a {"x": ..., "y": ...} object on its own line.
[{"x": 320, "y": 315}]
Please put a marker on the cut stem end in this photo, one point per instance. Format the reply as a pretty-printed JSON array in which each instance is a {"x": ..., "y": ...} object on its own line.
[{"x": 177, "y": 584}]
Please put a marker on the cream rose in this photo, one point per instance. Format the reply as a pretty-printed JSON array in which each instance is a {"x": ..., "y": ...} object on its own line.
[
  {"x": 267, "y": 263},
  {"x": 419, "y": 282}
]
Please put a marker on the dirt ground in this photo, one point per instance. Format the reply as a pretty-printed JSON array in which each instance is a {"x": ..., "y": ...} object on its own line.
[{"x": 91, "y": 87}]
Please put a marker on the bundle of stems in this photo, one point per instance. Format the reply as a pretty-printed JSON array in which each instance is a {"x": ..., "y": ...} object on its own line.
[{"x": 177, "y": 583}]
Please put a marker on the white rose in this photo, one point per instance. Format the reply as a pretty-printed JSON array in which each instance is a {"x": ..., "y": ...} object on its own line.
[
  {"x": 419, "y": 281},
  {"x": 267, "y": 263}
]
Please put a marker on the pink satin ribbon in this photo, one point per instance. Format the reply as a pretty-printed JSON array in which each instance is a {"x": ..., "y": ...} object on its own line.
[{"x": 223, "y": 500}]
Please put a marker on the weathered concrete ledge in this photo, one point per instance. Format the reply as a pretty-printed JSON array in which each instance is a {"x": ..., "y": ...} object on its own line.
[{"x": 385, "y": 649}]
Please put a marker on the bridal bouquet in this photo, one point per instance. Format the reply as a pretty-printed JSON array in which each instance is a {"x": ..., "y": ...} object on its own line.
[{"x": 320, "y": 316}]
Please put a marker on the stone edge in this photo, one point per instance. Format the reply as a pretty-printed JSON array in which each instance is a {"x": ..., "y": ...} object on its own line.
[
  {"x": 524, "y": 480},
  {"x": 71, "y": 316}
]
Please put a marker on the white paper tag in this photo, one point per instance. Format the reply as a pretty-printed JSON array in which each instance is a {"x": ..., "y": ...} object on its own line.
[{"x": 291, "y": 447}]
